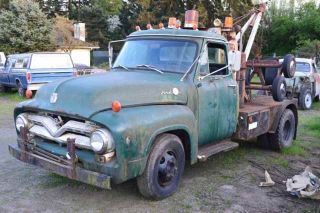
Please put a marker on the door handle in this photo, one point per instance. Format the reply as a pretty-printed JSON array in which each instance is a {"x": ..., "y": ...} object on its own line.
[{"x": 232, "y": 86}]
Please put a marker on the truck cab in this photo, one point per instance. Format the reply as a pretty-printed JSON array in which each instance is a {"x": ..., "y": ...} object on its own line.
[
  {"x": 30, "y": 71},
  {"x": 306, "y": 83},
  {"x": 169, "y": 98}
]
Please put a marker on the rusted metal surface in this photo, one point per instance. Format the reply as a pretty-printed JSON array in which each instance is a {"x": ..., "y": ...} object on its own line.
[
  {"x": 241, "y": 80},
  {"x": 263, "y": 113},
  {"x": 259, "y": 87},
  {"x": 215, "y": 148},
  {"x": 264, "y": 63},
  {"x": 75, "y": 173}
]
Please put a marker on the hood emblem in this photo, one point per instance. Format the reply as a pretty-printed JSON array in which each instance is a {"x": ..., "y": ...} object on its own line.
[
  {"x": 54, "y": 98},
  {"x": 174, "y": 91}
]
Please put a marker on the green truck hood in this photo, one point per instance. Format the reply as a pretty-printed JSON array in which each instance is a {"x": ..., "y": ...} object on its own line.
[{"x": 85, "y": 96}]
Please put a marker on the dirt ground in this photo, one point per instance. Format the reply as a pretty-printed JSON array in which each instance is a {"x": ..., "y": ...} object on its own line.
[{"x": 225, "y": 183}]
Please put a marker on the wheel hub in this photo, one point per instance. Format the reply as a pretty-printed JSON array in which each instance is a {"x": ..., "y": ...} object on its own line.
[
  {"x": 308, "y": 100},
  {"x": 167, "y": 168}
]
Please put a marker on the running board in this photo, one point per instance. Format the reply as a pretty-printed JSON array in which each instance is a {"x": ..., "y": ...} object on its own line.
[{"x": 208, "y": 150}]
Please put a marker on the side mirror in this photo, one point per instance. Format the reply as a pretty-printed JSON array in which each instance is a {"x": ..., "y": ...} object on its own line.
[{"x": 234, "y": 60}]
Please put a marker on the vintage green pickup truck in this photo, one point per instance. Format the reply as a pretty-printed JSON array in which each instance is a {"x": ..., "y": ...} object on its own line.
[{"x": 170, "y": 98}]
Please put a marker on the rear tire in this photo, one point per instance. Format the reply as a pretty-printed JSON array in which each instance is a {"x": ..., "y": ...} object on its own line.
[
  {"x": 284, "y": 135},
  {"x": 164, "y": 168},
  {"x": 305, "y": 99},
  {"x": 317, "y": 98},
  {"x": 279, "y": 89},
  {"x": 21, "y": 91}
]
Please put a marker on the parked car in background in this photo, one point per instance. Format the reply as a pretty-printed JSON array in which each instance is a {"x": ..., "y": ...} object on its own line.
[
  {"x": 306, "y": 83},
  {"x": 83, "y": 69},
  {"x": 30, "y": 71}
]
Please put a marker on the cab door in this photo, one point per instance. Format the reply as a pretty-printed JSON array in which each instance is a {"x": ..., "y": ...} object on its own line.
[{"x": 217, "y": 95}]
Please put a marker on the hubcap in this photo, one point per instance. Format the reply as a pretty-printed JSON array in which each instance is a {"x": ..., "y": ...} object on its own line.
[
  {"x": 286, "y": 130},
  {"x": 308, "y": 100},
  {"x": 283, "y": 90},
  {"x": 167, "y": 168}
]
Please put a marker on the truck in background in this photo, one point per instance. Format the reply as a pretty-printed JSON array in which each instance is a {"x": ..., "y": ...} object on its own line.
[{"x": 29, "y": 71}]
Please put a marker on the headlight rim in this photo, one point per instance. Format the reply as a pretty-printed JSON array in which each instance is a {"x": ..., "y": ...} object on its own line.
[
  {"x": 24, "y": 120},
  {"x": 108, "y": 142}
]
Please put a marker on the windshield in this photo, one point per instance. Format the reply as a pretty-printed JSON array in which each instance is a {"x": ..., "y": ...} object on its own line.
[
  {"x": 165, "y": 55},
  {"x": 51, "y": 61},
  {"x": 303, "y": 67}
]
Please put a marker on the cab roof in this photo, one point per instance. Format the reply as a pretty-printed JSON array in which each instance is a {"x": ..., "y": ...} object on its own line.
[
  {"x": 22, "y": 55},
  {"x": 178, "y": 33}
]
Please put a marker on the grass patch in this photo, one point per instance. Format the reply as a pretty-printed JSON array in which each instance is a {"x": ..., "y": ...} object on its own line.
[
  {"x": 316, "y": 106},
  {"x": 281, "y": 162},
  {"x": 12, "y": 96},
  {"x": 310, "y": 126},
  {"x": 54, "y": 180},
  {"x": 295, "y": 149}
]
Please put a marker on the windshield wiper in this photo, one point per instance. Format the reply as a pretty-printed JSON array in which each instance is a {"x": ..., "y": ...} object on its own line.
[
  {"x": 120, "y": 66},
  {"x": 150, "y": 67}
]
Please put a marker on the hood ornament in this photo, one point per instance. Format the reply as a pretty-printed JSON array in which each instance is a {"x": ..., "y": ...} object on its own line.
[{"x": 54, "y": 98}]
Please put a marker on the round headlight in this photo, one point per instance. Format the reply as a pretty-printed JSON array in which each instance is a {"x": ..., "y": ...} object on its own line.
[
  {"x": 21, "y": 121},
  {"x": 101, "y": 141}
]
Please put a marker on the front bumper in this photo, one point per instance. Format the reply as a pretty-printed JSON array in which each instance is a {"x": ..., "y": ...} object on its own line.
[{"x": 70, "y": 171}]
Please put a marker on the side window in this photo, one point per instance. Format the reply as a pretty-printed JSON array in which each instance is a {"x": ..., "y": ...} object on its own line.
[
  {"x": 217, "y": 56},
  {"x": 18, "y": 64},
  {"x": 314, "y": 68},
  {"x": 25, "y": 62},
  {"x": 213, "y": 58}
]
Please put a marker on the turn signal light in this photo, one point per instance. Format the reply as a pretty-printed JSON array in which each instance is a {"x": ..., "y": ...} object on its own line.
[
  {"x": 228, "y": 22},
  {"x": 28, "y": 76},
  {"x": 116, "y": 106},
  {"x": 29, "y": 94}
]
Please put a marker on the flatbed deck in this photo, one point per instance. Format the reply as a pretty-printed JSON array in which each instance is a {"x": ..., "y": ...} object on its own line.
[{"x": 260, "y": 116}]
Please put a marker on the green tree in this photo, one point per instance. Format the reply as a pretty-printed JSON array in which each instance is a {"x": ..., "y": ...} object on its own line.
[
  {"x": 288, "y": 30},
  {"x": 24, "y": 27}
]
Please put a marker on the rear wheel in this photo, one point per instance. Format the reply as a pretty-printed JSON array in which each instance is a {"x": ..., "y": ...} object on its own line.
[
  {"x": 21, "y": 91},
  {"x": 164, "y": 168},
  {"x": 317, "y": 98},
  {"x": 284, "y": 135},
  {"x": 305, "y": 99}
]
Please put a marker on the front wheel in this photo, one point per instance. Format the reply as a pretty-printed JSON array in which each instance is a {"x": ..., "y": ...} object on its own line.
[
  {"x": 305, "y": 99},
  {"x": 164, "y": 168}
]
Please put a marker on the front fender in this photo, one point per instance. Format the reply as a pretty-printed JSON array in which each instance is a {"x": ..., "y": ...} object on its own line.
[{"x": 134, "y": 130}]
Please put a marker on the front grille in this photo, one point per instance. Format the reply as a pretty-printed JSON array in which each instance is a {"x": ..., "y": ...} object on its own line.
[{"x": 57, "y": 129}]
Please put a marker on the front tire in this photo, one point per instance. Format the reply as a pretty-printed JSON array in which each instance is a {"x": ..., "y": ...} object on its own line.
[
  {"x": 164, "y": 168},
  {"x": 305, "y": 99}
]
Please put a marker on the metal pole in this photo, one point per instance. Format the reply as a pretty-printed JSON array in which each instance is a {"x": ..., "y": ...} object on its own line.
[{"x": 253, "y": 34}]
